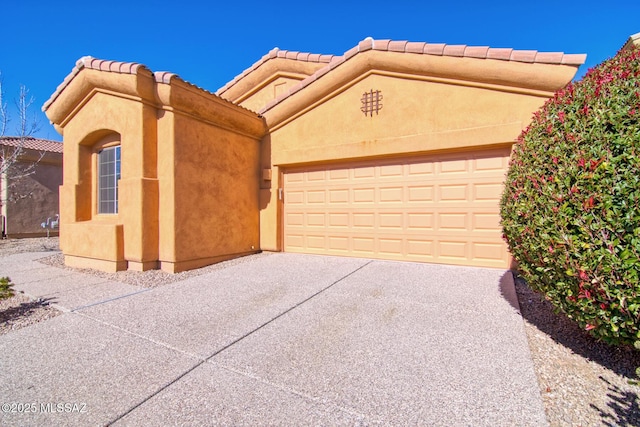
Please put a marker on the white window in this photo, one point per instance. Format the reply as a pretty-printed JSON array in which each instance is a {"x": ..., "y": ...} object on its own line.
[{"x": 108, "y": 176}]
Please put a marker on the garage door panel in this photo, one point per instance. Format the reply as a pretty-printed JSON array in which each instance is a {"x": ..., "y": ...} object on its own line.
[
  {"x": 491, "y": 191},
  {"x": 452, "y": 221},
  {"x": 452, "y": 250},
  {"x": 294, "y": 218},
  {"x": 364, "y": 172},
  {"x": 335, "y": 197},
  {"x": 391, "y": 170},
  {"x": 485, "y": 222},
  {"x": 339, "y": 219},
  {"x": 420, "y": 193},
  {"x": 452, "y": 193},
  {"x": 422, "y": 169},
  {"x": 339, "y": 174},
  {"x": 441, "y": 209},
  {"x": 391, "y": 194},
  {"x": 458, "y": 166},
  {"x": 420, "y": 222},
  {"x": 364, "y": 220},
  {"x": 420, "y": 248},
  {"x": 316, "y": 197},
  {"x": 391, "y": 221},
  {"x": 364, "y": 195}
]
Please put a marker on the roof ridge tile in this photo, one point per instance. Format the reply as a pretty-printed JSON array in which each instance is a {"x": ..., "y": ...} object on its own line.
[
  {"x": 524, "y": 56},
  {"x": 397, "y": 46},
  {"x": 381, "y": 44},
  {"x": 438, "y": 49},
  {"x": 500, "y": 53},
  {"x": 434, "y": 48},
  {"x": 364, "y": 45},
  {"x": 415, "y": 47},
  {"x": 476, "y": 51},
  {"x": 89, "y": 62},
  {"x": 456, "y": 50}
]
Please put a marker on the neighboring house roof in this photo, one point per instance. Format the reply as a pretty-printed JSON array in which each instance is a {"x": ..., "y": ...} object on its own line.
[
  {"x": 421, "y": 48},
  {"x": 31, "y": 143}
]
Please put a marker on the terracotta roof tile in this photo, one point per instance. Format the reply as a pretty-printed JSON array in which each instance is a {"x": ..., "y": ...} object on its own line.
[
  {"x": 397, "y": 46},
  {"x": 381, "y": 44},
  {"x": 503, "y": 54},
  {"x": 94, "y": 64},
  {"x": 31, "y": 143},
  {"x": 277, "y": 53},
  {"x": 434, "y": 48},
  {"x": 524, "y": 55},
  {"x": 574, "y": 58},
  {"x": 326, "y": 58},
  {"x": 351, "y": 52},
  {"x": 549, "y": 57},
  {"x": 454, "y": 50},
  {"x": 415, "y": 47},
  {"x": 476, "y": 51},
  {"x": 336, "y": 61},
  {"x": 440, "y": 49},
  {"x": 163, "y": 77},
  {"x": 366, "y": 44}
]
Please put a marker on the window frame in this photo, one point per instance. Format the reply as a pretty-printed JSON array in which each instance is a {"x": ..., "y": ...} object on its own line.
[{"x": 109, "y": 171}]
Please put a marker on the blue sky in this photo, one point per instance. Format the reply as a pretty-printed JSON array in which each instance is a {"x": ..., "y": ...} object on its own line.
[{"x": 208, "y": 43}]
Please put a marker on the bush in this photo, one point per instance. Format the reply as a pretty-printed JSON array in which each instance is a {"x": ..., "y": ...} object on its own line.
[
  {"x": 6, "y": 290},
  {"x": 571, "y": 206}
]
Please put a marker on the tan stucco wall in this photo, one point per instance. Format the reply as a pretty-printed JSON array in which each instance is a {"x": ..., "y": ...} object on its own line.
[
  {"x": 255, "y": 89},
  {"x": 186, "y": 171},
  {"x": 270, "y": 89},
  {"x": 215, "y": 203},
  {"x": 34, "y": 199},
  {"x": 201, "y": 176},
  {"x": 422, "y": 112}
]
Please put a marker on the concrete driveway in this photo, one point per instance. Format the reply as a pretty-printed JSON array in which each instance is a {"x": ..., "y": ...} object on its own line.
[{"x": 283, "y": 339}]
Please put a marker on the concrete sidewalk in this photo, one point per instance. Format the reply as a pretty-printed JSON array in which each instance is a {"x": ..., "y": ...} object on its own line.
[{"x": 284, "y": 339}]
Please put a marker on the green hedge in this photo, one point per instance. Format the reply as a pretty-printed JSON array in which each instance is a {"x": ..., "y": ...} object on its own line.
[{"x": 571, "y": 205}]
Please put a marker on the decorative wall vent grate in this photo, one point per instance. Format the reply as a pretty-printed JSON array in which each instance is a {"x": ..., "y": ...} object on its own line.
[{"x": 371, "y": 101}]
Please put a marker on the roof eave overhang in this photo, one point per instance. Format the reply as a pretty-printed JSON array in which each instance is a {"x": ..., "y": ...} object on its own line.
[
  {"x": 86, "y": 81},
  {"x": 161, "y": 90},
  {"x": 535, "y": 78}
]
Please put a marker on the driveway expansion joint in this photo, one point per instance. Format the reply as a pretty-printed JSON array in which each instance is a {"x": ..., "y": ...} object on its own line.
[
  {"x": 287, "y": 389},
  {"x": 207, "y": 359},
  {"x": 82, "y": 307}
]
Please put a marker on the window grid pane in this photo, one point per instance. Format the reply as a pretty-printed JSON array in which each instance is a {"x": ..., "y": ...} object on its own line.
[{"x": 108, "y": 176}]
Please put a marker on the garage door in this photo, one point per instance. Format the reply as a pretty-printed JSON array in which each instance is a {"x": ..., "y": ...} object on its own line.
[{"x": 441, "y": 209}]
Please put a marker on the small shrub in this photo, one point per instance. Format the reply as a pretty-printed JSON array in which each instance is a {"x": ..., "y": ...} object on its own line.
[
  {"x": 571, "y": 206},
  {"x": 6, "y": 288}
]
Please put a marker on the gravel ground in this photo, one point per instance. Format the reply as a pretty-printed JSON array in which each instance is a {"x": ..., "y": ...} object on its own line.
[
  {"x": 582, "y": 382},
  {"x": 20, "y": 310},
  {"x": 150, "y": 278}
]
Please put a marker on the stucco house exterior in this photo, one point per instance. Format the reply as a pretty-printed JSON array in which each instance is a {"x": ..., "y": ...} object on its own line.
[
  {"x": 29, "y": 188},
  {"x": 394, "y": 150}
]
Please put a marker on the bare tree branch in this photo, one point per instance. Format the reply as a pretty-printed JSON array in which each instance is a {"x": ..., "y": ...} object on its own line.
[
  {"x": 12, "y": 170},
  {"x": 4, "y": 117}
]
